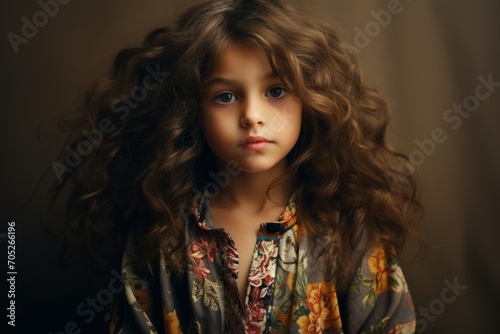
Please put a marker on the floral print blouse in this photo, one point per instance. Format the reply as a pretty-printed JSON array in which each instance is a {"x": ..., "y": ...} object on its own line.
[{"x": 287, "y": 291}]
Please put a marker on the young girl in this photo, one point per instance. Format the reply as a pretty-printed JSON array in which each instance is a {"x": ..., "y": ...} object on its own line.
[{"x": 239, "y": 164}]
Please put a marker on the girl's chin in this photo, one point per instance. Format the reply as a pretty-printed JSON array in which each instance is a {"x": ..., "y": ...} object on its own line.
[{"x": 259, "y": 168}]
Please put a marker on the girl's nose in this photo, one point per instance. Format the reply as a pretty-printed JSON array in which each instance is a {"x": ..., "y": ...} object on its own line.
[{"x": 252, "y": 113}]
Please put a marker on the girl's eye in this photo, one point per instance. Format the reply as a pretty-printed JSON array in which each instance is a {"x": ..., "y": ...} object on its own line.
[
  {"x": 225, "y": 98},
  {"x": 277, "y": 92}
]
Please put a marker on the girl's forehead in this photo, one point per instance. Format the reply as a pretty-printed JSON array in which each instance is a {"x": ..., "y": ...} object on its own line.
[
  {"x": 237, "y": 54},
  {"x": 239, "y": 64}
]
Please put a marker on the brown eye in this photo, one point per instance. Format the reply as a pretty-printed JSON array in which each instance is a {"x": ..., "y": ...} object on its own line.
[
  {"x": 225, "y": 98},
  {"x": 277, "y": 92}
]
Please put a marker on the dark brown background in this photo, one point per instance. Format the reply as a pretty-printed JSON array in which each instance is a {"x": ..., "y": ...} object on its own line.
[{"x": 428, "y": 58}]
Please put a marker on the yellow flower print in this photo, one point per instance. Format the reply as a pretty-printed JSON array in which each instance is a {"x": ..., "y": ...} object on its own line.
[
  {"x": 303, "y": 322},
  {"x": 290, "y": 281},
  {"x": 171, "y": 321},
  {"x": 141, "y": 294},
  {"x": 324, "y": 311},
  {"x": 378, "y": 265},
  {"x": 288, "y": 218}
]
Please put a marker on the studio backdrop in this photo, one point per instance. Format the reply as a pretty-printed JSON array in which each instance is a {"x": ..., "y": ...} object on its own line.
[{"x": 436, "y": 63}]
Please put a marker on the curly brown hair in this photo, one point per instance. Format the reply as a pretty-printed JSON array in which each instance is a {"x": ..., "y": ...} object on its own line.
[{"x": 349, "y": 183}]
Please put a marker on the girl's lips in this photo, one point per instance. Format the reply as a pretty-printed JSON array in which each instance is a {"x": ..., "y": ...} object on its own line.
[
  {"x": 255, "y": 143},
  {"x": 257, "y": 146}
]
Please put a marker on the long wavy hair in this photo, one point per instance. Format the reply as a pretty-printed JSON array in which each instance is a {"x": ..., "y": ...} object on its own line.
[{"x": 149, "y": 153}]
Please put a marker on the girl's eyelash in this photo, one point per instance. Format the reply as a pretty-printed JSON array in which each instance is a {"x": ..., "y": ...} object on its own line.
[
  {"x": 283, "y": 91},
  {"x": 219, "y": 98},
  {"x": 228, "y": 97}
]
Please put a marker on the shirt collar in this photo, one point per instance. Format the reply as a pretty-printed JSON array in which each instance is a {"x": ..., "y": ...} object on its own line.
[{"x": 287, "y": 218}]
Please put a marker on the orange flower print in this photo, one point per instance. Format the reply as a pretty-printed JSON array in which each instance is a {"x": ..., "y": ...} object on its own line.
[
  {"x": 378, "y": 265},
  {"x": 141, "y": 294},
  {"x": 303, "y": 323},
  {"x": 324, "y": 311},
  {"x": 288, "y": 218},
  {"x": 171, "y": 321}
]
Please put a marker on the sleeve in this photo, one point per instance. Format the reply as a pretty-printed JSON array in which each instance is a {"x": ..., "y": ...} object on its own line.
[
  {"x": 136, "y": 307},
  {"x": 378, "y": 300},
  {"x": 130, "y": 311}
]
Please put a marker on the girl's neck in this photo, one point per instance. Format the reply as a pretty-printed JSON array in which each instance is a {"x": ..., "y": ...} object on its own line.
[{"x": 247, "y": 191}]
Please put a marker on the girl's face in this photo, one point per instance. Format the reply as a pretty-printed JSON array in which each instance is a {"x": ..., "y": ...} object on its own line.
[{"x": 248, "y": 115}]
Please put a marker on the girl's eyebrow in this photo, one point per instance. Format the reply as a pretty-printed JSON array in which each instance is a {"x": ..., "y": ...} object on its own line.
[
  {"x": 216, "y": 81},
  {"x": 222, "y": 80}
]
